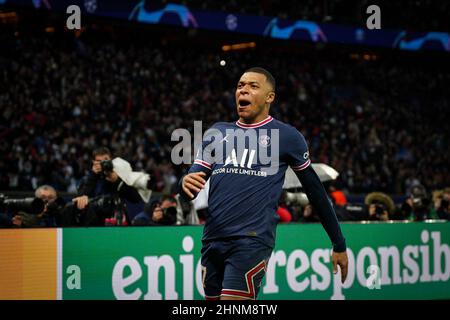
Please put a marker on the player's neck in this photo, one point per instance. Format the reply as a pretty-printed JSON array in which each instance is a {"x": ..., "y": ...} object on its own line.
[{"x": 258, "y": 119}]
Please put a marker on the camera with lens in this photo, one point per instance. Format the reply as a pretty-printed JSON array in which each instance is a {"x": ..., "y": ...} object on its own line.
[
  {"x": 107, "y": 205},
  {"x": 419, "y": 198},
  {"x": 169, "y": 211},
  {"x": 56, "y": 206},
  {"x": 379, "y": 212},
  {"x": 29, "y": 205},
  {"x": 379, "y": 209},
  {"x": 102, "y": 210},
  {"x": 380, "y": 206},
  {"x": 107, "y": 166},
  {"x": 445, "y": 204}
]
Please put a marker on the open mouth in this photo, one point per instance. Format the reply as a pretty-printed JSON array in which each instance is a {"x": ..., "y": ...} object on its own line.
[{"x": 244, "y": 103}]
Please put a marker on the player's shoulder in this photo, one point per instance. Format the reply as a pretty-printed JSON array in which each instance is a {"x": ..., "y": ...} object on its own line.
[
  {"x": 222, "y": 125},
  {"x": 286, "y": 128},
  {"x": 217, "y": 126}
]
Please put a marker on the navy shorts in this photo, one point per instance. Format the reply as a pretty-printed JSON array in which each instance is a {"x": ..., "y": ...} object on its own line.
[{"x": 234, "y": 267}]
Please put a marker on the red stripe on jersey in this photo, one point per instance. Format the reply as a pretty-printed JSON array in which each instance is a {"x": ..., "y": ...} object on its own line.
[
  {"x": 303, "y": 166},
  {"x": 203, "y": 163},
  {"x": 250, "y": 293},
  {"x": 254, "y": 125}
]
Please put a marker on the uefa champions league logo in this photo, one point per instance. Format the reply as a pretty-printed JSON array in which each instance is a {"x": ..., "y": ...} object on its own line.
[
  {"x": 90, "y": 5},
  {"x": 231, "y": 22}
]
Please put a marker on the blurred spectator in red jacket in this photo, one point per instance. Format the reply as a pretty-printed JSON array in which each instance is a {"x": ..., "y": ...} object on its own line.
[{"x": 284, "y": 214}]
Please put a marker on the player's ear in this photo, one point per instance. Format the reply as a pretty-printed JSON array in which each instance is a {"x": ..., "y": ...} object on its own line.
[{"x": 270, "y": 97}]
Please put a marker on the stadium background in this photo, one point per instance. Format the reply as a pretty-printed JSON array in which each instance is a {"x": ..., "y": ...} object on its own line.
[{"x": 375, "y": 110}]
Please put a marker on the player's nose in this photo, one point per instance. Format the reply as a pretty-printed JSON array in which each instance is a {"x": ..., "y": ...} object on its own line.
[{"x": 243, "y": 90}]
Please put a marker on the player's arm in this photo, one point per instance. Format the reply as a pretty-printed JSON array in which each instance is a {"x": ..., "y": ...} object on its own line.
[
  {"x": 298, "y": 156},
  {"x": 194, "y": 181},
  {"x": 319, "y": 199}
]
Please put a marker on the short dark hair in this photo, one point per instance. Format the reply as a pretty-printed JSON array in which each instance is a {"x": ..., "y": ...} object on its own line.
[
  {"x": 263, "y": 71},
  {"x": 101, "y": 151},
  {"x": 168, "y": 197}
]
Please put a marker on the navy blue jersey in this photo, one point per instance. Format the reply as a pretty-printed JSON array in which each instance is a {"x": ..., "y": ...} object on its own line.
[{"x": 246, "y": 165}]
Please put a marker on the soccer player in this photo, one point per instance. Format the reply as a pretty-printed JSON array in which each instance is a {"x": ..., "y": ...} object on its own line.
[{"x": 239, "y": 232}]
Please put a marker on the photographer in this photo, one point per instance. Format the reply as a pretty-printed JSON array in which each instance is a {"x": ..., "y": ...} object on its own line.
[
  {"x": 380, "y": 206},
  {"x": 378, "y": 212},
  {"x": 417, "y": 205},
  {"x": 45, "y": 213},
  {"x": 104, "y": 191},
  {"x": 158, "y": 213},
  {"x": 441, "y": 204}
]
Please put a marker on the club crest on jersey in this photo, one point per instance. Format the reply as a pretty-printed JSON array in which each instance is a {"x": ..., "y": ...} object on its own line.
[{"x": 264, "y": 141}]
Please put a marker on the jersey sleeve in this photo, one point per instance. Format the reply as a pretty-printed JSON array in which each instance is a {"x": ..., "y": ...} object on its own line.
[
  {"x": 297, "y": 151},
  {"x": 204, "y": 157},
  {"x": 321, "y": 202},
  {"x": 203, "y": 160}
]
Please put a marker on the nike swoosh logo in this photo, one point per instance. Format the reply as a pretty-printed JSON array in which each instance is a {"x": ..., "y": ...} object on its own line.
[{"x": 224, "y": 139}]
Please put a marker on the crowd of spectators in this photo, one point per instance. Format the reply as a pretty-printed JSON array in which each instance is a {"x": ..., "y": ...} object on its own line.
[
  {"x": 381, "y": 124},
  {"x": 418, "y": 15}
]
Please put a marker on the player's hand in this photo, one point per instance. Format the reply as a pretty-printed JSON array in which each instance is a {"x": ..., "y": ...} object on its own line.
[
  {"x": 193, "y": 182},
  {"x": 81, "y": 202},
  {"x": 341, "y": 259}
]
